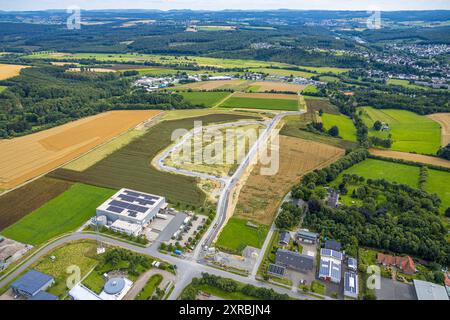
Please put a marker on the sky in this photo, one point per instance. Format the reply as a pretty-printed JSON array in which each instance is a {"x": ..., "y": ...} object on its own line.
[{"x": 386, "y": 5}]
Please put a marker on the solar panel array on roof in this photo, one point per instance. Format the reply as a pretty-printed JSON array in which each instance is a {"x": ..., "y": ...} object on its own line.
[
  {"x": 331, "y": 253},
  {"x": 351, "y": 284},
  {"x": 352, "y": 264},
  {"x": 114, "y": 209},
  {"x": 129, "y": 206},
  {"x": 330, "y": 269},
  {"x": 276, "y": 270}
]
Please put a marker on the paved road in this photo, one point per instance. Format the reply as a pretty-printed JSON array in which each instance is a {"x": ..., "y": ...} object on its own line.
[{"x": 187, "y": 269}]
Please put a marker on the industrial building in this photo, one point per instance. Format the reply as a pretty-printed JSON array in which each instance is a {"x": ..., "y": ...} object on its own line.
[
  {"x": 133, "y": 210},
  {"x": 429, "y": 291},
  {"x": 114, "y": 289},
  {"x": 32, "y": 283},
  {"x": 307, "y": 236},
  {"x": 330, "y": 265},
  {"x": 351, "y": 285},
  {"x": 294, "y": 260}
]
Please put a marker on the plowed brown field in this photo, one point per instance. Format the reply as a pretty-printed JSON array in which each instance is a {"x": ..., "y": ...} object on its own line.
[
  {"x": 25, "y": 158},
  {"x": 261, "y": 195},
  {"x": 444, "y": 120},
  {"x": 411, "y": 157}
]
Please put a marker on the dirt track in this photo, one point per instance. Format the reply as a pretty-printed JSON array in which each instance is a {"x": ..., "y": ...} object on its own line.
[
  {"x": 444, "y": 120},
  {"x": 25, "y": 158},
  {"x": 411, "y": 157}
]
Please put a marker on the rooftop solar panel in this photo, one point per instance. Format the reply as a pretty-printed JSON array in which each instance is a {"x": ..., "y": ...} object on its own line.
[
  {"x": 275, "y": 269},
  {"x": 127, "y": 198},
  {"x": 132, "y": 193},
  {"x": 119, "y": 204},
  {"x": 132, "y": 214},
  {"x": 114, "y": 209}
]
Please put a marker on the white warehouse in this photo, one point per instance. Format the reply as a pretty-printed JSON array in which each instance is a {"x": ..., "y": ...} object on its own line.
[{"x": 131, "y": 206}]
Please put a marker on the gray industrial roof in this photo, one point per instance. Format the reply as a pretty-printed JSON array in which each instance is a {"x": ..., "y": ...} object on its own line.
[
  {"x": 429, "y": 291},
  {"x": 32, "y": 282},
  {"x": 42, "y": 295},
  {"x": 307, "y": 234},
  {"x": 294, "y": 260}
]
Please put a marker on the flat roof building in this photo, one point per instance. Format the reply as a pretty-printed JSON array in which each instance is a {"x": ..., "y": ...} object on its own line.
[
  {"x": 429, "y": 291},
  {"x": 307, "y": 236},
  {"x": 31, "y": 283},
  {"x": 294, "y": 260},
  {"x": 330, "y": 270},
  {"x": 44, "y": 296},
  {"x": 131, "y": 206},
  {"x": 131, "y": 229},
  {"x": 331, "y": 254},
  {"x": 351, "y": 285}
]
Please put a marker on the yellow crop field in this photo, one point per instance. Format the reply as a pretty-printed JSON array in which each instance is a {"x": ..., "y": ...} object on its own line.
[
  {"x": 9, "y": 70},
  {"x": 25, "y": 158}
]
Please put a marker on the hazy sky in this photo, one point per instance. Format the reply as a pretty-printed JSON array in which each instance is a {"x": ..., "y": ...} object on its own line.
[{"x": 227, "y": 4}]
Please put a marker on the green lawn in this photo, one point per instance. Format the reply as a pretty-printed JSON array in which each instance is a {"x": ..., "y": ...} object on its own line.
[
  {"x": 318, "y": 287},
  {"x": 95, "y": 282},
  {"x": 62, "y": 214},
  {"x": 378, "y": 169},
  {"x": 410, "y": 132},
  {"x": 236, "y": 235},
  {"x": 346, "y": 127},
  {"x": 439, "y": 182},
  {"x": 81, "y": 254},
  {"x": 208, "y": 99},
  {"x": 149, "y": 287},
  {"x": 310, "y": 89},
  {"x": 257, "y": 103}
]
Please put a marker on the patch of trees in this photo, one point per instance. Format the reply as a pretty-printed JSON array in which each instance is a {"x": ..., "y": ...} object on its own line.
[
  {"x": 407, "y": 222},
  {"x": 444, "y": 152},
  {"x": 380, "y": 142},
  {"x": 229, "y": 285},
  {"x": 46, "y": 96},
  {"x": 289, "y": 216}
]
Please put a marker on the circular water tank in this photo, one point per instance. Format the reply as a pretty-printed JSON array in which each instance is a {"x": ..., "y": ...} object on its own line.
[
  {"x": 102, "y": 220},
  {"x": 114, "y": 285}
]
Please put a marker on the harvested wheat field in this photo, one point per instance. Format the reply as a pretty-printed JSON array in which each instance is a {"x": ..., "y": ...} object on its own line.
[
  {"x": 10, "y": 70},
  {"x": 27, "y": 157},
  {"x": 277, "y": 86},
  {"x": 281, "y": 96},
  {"x": 435, "y": 161},
  {"x": 444, "y": 120},
  {"x": 261, "y": 195},
  {"x": 212, "y": 85}
]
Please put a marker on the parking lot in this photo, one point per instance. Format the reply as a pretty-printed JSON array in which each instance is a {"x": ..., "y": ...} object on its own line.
[{"x": 395, "y": 290}]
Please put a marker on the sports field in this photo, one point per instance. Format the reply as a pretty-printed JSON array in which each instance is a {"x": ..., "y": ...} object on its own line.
[
  {"x": 410, "y": 132},
  {"x": 208, "y": 99},
  {"x": 62, "y": 214},
  {"x": 27, "y": 157},
  {"x": 262, "y": 101},
  {"x": 346, "y": 127},
  {"x": 130, "y": 166},
  {"x": 236, "y": 235},
  {"x": 10, "y": 70}
]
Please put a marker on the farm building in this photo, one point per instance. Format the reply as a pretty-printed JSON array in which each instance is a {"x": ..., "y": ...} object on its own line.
[
  {"x": 131, "y": 206},
  {"x": 285, "y": 237},
  {"x": 351, "y": 285},
  {"x": 306, "y": 236},
  {"x": 293, "y": 260},
  {"x": 406, "y": 264},
  {"x": 330, "y": 265},
  {"x": 31, "y": 283},
  {"x": 429, "y": 291}
]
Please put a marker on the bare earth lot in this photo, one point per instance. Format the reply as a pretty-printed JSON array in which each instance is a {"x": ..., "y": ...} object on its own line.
[
  {"x": 444, "y": 120},
  {"x": 27, "y": 157},
  {"x": 261, "y": 194},
  {"x": 411, "y": 157}
]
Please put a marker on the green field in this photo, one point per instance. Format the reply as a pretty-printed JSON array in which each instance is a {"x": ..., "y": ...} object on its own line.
[
  {"x": 82, "y": 254},
  {"x": 130, "y": 166},
  {"x": 329, "y": 79},
  {"x": 310, "y": 89},
  {"x": 149, "y": 287},
  {"x": 439, "y": 182},
  {"x": 378, "y": 169},
  {"x": 62, "y": 214},
  {"x": 284, "y": 72},
  {"x": 347, "y": 130},
  {"x": 208, "y": 99},
  {"x": 236, "y": 235},
  {"x": 255, "y": 103},
  {"x": 2, "y": 88},
  {"x": 404, "y": 83},
  {"x": 410, "y": 132}
]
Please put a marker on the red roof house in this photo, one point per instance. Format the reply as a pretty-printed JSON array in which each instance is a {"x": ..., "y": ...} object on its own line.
[{"x": 406, "y": 264}]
